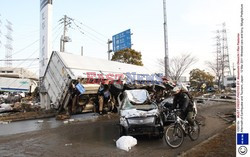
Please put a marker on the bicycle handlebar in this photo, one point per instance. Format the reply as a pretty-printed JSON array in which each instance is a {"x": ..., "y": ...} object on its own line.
[{"x": 176, "y": 110}]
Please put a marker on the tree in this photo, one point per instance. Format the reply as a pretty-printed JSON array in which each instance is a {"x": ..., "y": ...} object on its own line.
[
  {"x": 178, "y": 65},
  {"x": 217, "y": 70},
  {"x": 129, "y": 56},
  {"x": 199, "y": 77}
]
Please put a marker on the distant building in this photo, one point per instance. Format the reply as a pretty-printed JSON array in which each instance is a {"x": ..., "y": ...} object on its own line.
[
  {"x": 13, "y": 72},
  {"x": 184, "y": 82},
  {"x": 17, "y": 80},
  {"x": 182, "y": 79},
  {"x": 229, "y": 81}
]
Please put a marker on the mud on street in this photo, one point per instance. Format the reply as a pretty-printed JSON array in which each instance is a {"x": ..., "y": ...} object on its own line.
[{"x": 96, "y": 137}]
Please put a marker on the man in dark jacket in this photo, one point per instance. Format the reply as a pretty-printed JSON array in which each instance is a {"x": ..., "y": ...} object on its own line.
[
  {"x": 183, "y": 101},
  {"x": 104, "y": 96}
]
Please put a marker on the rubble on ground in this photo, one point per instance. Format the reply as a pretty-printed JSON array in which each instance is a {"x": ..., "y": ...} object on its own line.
[
  {"x": 16, "y": 107},
  {"x": 62, "y": 117}
]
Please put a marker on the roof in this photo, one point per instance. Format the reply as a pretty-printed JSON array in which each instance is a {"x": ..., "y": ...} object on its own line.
[
  {"x": 95, "y": 64},
  {"x": 80, "y": 65}
]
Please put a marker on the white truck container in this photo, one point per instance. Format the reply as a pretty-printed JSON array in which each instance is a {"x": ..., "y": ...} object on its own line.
[
  {"x": 8, "y": 84},
  {"x": 64, "y": 69}
]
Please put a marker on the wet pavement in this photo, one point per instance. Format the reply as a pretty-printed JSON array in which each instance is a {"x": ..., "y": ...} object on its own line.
[
  {"x": 40, "y": 124},
  {"x": 95, "y": 137}
]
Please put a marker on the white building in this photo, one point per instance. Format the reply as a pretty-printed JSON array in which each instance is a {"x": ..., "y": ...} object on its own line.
[
  {"x": 17, "y": 80},
  {"x": 229, "y": 81},
  {"x": 13, "y": 72}
]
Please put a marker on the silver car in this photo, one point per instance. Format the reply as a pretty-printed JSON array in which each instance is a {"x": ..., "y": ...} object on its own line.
[{"x": 138, "y": 114}]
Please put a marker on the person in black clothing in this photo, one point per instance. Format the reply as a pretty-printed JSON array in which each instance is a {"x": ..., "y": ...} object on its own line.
[
  {"x": 104, "y": 96},
  {"x": 183, "y": 101}
]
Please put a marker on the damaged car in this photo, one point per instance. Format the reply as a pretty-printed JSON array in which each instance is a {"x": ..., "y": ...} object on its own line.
[{"x": 138, "y": 114}]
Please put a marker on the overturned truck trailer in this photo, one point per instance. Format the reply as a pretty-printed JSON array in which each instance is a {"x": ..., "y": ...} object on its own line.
[{"x": 72, "y": 81}]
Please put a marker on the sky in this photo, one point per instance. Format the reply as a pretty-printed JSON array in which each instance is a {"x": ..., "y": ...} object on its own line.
[{"x": 191, "y": 28}]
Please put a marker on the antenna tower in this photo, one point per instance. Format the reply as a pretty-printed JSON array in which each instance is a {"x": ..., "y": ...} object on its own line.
[
  {"x": 226, "y": 70},
  {"x": 218, "y": 57},
  {"x": 8, "y": 45}
]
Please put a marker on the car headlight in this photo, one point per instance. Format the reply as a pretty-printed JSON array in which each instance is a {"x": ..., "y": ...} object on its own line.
[
  {"x": 123, "y": 122},
  {"x": 144, "y": 120}
]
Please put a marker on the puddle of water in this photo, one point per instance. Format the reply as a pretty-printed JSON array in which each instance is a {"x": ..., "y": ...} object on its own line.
[
  {"x": 40, "y": 124},
  {"x": 26, "y": 126}
]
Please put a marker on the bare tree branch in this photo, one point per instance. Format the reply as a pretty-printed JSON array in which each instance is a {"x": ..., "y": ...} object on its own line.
[
  {"x": 178, "y": 65},
  {"x": 217, "y": 69}
]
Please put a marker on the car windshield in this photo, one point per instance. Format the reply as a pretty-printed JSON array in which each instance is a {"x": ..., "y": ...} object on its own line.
[{"x": 137, "y": 99}]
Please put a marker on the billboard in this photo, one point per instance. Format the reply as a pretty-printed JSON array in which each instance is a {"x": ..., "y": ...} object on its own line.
[
  {"x": 45, "y": 34},
  {"x": 121, "y": 40}
]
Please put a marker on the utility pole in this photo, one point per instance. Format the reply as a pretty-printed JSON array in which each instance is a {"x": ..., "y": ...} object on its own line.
[
  {"x": 62, "y": 44},
  {"x": 109, "y": 50},
  {"x": 64, "y": 38},
  {"x": 165, "y": 39},
  {"x": 82, "y": 51}
]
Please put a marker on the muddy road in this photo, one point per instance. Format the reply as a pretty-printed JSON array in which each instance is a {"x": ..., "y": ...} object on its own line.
[{"x": 97, "y": 137}]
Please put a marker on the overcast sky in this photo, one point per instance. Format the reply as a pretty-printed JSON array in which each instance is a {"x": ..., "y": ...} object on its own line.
[{"x": 191, "y": 27}]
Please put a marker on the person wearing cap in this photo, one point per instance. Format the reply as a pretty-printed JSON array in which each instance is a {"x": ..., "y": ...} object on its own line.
[{"x": 183, "y": 101}]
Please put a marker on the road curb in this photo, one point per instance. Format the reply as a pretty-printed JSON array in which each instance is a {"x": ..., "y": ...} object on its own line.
[{"x": 183, "y": 154}]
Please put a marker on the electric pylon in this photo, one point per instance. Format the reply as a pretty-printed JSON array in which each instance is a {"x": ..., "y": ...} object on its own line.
[{"x": 8, "y": 45}]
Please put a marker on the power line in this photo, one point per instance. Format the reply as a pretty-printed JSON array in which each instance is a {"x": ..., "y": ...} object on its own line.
[
  {"x": 56, "y": 38},
  {"x": 35, "y": 41},
  {"x": 25, "y": 47},
  {"x": 82, "y": 31},
  {"x": 22, "y": 63},
  {"x": 90, "y": 28},
  {"x": 93, "y": 38},
  {"x": 29, "y": 59},
  {"x": 57, "y": 33},
  {"x": 26, "y": 58}
]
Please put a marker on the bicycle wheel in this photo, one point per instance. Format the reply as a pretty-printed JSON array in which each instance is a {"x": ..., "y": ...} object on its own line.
[
  {"x": 174, "y": 136},
  {"x": 194, "y": 132}
]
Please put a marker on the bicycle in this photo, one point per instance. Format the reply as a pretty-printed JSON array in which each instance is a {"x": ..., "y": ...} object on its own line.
[{"x": 174, "y": 134}]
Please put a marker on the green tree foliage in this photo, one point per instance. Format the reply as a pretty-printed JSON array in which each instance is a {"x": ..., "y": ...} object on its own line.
[
  {"x": 128, "y": 56},
  {"x": 199, "y": 77}
]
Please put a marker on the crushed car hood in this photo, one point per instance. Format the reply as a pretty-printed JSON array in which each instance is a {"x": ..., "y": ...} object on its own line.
[{"x": 138, "y": 113}]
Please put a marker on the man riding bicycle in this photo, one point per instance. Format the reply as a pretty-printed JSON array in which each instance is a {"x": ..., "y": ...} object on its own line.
[{"x": 183, "y": 101}]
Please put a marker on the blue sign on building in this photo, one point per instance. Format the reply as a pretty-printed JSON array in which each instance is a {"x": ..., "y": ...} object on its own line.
[{"x": 121, "y": 40}]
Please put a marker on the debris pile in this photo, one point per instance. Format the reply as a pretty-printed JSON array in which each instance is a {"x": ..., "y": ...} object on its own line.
[
  {"x": 228, "y": 117},
  {"x": 15, "y": 107}
]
